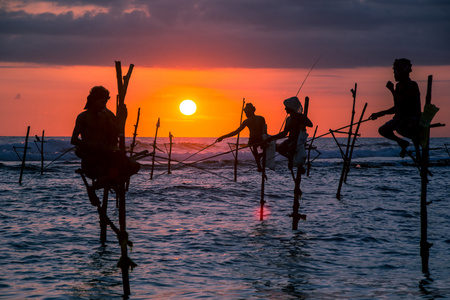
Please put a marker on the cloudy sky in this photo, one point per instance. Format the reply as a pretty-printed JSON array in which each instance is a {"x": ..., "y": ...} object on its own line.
[
  {"x": 218, "y": 52},
  {"x": 225, "y": 33}
]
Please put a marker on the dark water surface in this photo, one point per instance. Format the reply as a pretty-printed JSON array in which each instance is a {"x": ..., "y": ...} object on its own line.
[{"x": 197, "y": 235}]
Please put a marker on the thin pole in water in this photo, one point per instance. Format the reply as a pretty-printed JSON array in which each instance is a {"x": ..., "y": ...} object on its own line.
[
  {"x": 170, "y": 153},
  {"x": 24, "y": 157},
  {"x": 122, "y": 85},
  {"x": 263, "y": 179},
  {"x": 424, "y": 245},
  {"x": 154, "y": 150},
  {"x": 350, "y": 133},
  {"x": 237, "y": 143}
]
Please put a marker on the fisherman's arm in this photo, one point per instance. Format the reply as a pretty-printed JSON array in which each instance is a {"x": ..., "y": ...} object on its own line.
[
  {"x": 376, "y": 115},
  {"x": 281, "y": 134},
  {"x": 233, "y": 132}
]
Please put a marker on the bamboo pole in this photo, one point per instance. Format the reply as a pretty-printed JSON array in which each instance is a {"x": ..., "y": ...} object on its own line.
[
  {"x": 424, "y": 245},
  {"x": 296, "y": 216},
  {"x": 308, "y": 166},
  {"x": 133, "y": 143},
  {"x": 237, "y": 143},
  {"x": 170, "y": 153},
  {"x": 24, "y": 157},
  {"x": 41, "y": 149},
  {"x": 349, "y": 159},
  {"x": 122, "y": 85},
  {"x": 42, "y": 153},
  {"x": 350, "y": 132},
  {"x": 103, "y": 221},
  {"x": 263, "y": 179},
  {"x": 154, "y": 150}
]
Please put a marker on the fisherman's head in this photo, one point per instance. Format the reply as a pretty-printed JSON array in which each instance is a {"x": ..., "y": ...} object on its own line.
[
  {"x": 402, "y": 68},
  {"x": 293, "y": 105},
  {"x": 249, "y": 109},
  {"x": 98, "y": 96}
]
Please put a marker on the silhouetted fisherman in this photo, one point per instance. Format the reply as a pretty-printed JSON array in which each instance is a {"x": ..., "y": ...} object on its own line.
[
  {"x": 295, "y": 124},
  {"x": 97, "y": 148},
  {"x": 256, "y": 125},
  {"x": 406, "y": 109}
]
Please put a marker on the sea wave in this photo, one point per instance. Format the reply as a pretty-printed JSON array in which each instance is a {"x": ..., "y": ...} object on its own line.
[{"x": 189, "y": 150}]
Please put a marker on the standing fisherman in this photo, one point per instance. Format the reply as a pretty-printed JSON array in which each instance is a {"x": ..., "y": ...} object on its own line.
[
  {"x": 256, "y": 125},
  {"x": 295, "y": 125},
  {"x": 406, "y": 109},
  {"x": 97, "y": 148}
]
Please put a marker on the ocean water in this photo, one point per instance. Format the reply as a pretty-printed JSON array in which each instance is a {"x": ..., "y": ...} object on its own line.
[{"x": 197, "y": 234}]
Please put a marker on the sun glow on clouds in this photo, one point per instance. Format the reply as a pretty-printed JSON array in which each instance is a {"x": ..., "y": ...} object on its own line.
[{"x": 40, "y": 7}]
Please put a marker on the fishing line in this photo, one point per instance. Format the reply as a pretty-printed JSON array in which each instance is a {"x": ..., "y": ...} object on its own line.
[
  {"x": 307, "y": 75},
  {"x": 65, "y": 152},
  {"x": 304, "y": 80}
]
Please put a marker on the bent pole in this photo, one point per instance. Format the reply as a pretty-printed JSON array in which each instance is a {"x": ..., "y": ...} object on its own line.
[
  {"x": 237, "y": 143},
  {"x": 154, "y": 149}
]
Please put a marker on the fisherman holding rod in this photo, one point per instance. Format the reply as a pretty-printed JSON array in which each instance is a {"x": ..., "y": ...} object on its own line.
[
  {"x": 295, "y": 126},
  {"x": 257, "y": 127}
]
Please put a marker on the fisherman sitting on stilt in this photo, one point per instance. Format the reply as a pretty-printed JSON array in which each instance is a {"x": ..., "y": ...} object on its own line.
[
  {"x": 406, "y": 109},
  {"x": 97, "y": 148},
  {"x": 295, "y": 126},
  {"x": 256, "y": 125}
]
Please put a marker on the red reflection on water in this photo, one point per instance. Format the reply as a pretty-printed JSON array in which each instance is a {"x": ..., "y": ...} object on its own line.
[{"x": 265, "y": 212}]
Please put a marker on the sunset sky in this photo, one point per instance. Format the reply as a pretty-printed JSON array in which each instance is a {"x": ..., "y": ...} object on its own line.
[{"x": 216, "y": 52}]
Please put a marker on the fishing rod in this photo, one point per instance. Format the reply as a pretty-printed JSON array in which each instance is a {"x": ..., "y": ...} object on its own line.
[
  {"x": 213, "y": 156},
  {"x": 192, "y": 165},
  {"x": 304, "y": 80},
  {"x": 199, "y": 151},
  {"x": 368, "y": 119},
  {"x": 307, "y": 75}
]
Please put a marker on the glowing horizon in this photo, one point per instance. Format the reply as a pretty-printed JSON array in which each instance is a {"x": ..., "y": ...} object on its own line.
[{"x": 50, "y": 97}]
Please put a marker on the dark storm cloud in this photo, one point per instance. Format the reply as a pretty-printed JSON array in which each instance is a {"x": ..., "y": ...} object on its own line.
[{"x": 231, "y": 33}]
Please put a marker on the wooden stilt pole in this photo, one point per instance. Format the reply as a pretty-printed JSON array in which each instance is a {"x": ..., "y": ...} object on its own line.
[
  {"x": 337, "y": 143},
  {"x": 103, "y": 221},
  {"x": 122, "y": 85},
  {"x": 349, "y": 159},
  {"x": 424, "y": 245},
  {"x": 133, "y": 143},
  {"x": 237, "y": 143},
  {"x": 42, "y": 152},
  {"x": 154, "y": 150},
  {"x": 170, "y": 153},
  {"x": 296, "y": 216},
  {"x": 350, "y": 133},
  {"x": 41, "y": 149},
  {"x": 24, "y": 157},
  {"x": 263, "y": 179},
  {"x": 308, "y": 165}
]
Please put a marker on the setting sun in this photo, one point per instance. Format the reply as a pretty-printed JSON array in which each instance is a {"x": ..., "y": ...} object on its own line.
[{"x": 188, "y": 107}]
